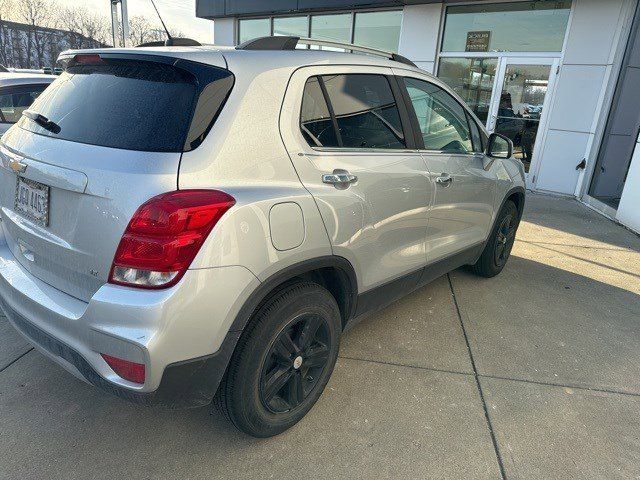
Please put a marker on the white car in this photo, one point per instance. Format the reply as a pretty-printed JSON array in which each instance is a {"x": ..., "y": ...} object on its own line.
[{"x": 17, "y": 93}]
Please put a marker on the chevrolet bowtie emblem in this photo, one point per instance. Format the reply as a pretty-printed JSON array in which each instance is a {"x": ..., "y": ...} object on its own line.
[{"x": 16, "y": 166}]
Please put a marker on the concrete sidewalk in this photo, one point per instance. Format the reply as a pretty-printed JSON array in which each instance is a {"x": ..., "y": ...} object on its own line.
[{"x": 532, "y": 374}]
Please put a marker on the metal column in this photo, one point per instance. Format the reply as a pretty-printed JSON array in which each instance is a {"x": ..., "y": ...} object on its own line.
[{"x": 120, "y": 23}]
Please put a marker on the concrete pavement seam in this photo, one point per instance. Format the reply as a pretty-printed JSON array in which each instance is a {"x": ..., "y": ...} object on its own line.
[
  {"x": 15, "y": 360},
  {"x": 563, "y": 385},
  {"x": 494, "y": 440},
  {"x": 394, "y": 364}
]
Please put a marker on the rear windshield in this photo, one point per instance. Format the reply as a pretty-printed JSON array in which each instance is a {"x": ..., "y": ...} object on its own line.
[{"x": 121, "y": 104}]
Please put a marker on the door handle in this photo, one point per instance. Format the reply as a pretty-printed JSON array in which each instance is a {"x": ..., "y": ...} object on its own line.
[
  {"x": 445, "y": 180},
  {"x": 339, "y": 178}
]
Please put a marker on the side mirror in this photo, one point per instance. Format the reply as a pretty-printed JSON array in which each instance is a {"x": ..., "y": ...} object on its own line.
[{"x": 499, "y": 146}]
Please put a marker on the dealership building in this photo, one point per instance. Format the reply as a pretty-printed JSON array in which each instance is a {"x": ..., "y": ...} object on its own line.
[{"x": 561, "y": 78}]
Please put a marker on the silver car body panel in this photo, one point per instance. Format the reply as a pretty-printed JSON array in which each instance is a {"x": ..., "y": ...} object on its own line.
[
  {"x": 94, "y": 191},
  {"x": 463, "y": 213},
  {"x": 154, "y": 327},
  {"x": 245, "y": 157}
]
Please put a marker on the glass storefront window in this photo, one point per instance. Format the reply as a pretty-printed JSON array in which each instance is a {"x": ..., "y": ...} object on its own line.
[
  {"x": 372, "y": 29},
  {"x": 293, "y": 26},
  {"x": 524, "y": 89},
  {"x": 378, "y": 30},
  {"x": 533, "y": 26},
  {"x": 472, "y": 79},
  {"x": 335, "y": 28},
  {"x": 253, "y": 28}
]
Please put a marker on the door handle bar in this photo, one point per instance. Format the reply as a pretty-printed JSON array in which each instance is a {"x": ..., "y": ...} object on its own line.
[
  {"x": 339, "y": 178},
  {"x": 445, "y": 180}
]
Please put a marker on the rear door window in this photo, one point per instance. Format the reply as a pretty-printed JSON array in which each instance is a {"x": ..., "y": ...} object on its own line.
[
  {"x": 132, "y": 105},
  {"x": 364, "y": 109},
  {"x": 315, "y": 120},
  {"x": 442, "y": 120},
  {"x": 16, "y": 99}
]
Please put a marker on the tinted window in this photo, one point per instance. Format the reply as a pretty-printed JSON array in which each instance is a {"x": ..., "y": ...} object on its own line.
[
  {"x": 442, "y": 119},
  {"x": 315, "y": 121},
  {"x": 15, "y": 100},
  {"x": 365, "y": 110},
  {"x": 475, "y": 135},
  {"x": 134, "y": 106}
]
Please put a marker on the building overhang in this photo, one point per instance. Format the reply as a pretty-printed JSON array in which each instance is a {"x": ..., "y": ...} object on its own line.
[{"x": 212, "y": 9}]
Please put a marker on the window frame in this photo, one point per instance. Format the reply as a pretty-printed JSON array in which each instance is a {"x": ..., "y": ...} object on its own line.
[
  {"x": 22, "y": 88},
  {"x": 396, "y": 91},
  {"x": 476, "y": 148},
  {"x": 417, "y": 133}
]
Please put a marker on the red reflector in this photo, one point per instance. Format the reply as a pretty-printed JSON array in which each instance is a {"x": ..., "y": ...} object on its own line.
[
  {"x": 88, "y": 59},
  {"x": 134, "y": 372},
  {"x": 164, "y": 236}
]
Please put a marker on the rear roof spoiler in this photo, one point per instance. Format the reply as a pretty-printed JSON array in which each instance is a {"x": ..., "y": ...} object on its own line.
[
  {"x": 290, "y": 43},
  {"x": 173, "y": 42}
]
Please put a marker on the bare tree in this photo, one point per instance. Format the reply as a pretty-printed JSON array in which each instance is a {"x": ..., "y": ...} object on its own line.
[
  {"x": 141, "y": 31},
  {"x": 36, "y": 13},
  {"x": 86, "y": 24},
  {"x": 5, "y": 39}
]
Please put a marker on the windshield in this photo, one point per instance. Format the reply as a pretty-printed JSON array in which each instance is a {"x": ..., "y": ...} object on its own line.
[{"x": 121, "y": 104}]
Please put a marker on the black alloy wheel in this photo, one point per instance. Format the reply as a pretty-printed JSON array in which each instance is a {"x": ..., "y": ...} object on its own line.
[
  {"x": 283, "y": 360},
  {"x": 295, "y": 363},
  {"x": 505, "y": 238},
  {"x": 496, "y": 251}
]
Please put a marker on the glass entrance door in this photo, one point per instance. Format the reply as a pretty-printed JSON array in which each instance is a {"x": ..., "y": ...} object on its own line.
[{"x": 519, "y": 105}]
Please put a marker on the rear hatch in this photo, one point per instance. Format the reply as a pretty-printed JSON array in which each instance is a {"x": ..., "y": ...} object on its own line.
[{"x": 105, "y": 137}]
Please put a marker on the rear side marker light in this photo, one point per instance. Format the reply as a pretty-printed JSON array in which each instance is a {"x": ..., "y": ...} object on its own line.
[
  {"x": 134, "y": 372},
  {"x": 164, "y": 236}
]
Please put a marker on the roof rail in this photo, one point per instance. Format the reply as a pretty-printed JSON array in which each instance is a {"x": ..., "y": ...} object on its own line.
[{"x": 290, "y": 43}]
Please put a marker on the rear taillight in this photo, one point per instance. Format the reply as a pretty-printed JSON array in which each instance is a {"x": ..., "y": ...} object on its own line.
[
  {"x": 134, "y": 372},
  {"x": 164, "y": 236}
]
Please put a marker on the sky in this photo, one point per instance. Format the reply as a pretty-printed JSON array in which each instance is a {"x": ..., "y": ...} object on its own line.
[{"x": 178, "y": 14}]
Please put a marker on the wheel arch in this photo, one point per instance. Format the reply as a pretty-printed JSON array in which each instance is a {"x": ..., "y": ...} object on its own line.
[
  {"x": 517, "y": 196},
  {"x": 333, "y": 272}
]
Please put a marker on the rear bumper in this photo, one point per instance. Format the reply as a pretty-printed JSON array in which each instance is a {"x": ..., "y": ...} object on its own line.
[
  {"x": 191, "y": 383},
  {"x": 181, "y": 334}
]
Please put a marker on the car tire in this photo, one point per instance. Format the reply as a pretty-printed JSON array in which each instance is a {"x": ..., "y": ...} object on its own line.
[
  {"x": 283, "y": 360},
  {"x": 498, "y": 248}
]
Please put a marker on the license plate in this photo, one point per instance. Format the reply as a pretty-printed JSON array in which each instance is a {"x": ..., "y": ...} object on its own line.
[{"x": 32, "y": 201}]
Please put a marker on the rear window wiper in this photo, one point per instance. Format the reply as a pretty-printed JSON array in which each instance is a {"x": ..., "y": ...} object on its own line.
[{"x": 41, "y": 120}]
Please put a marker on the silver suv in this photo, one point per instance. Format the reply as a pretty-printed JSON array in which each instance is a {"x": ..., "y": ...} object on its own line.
[{"x": 188, "y": 224}]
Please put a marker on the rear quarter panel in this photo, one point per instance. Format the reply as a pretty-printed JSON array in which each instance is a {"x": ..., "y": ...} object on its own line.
[{"x": 244, "y": 156}]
